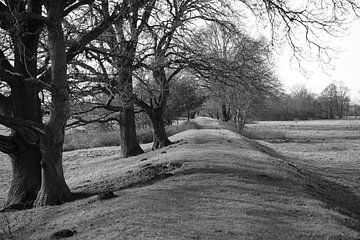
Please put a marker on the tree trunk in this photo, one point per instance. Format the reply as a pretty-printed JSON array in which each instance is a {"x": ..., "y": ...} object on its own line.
[
  {"x": 225, "y": 113},
  {"x": 128, "y": 139},
  {"x": 26, "y": 178},
  {"x": 53, "y": 186},
  {"x": 25, "y": 104},
  {"x": 159, "y": 132}
]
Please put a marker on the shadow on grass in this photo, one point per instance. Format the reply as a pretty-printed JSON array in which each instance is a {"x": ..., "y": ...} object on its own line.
[
  {"x": 148, "y": 174},
  {"x": 334, "y": 195}
]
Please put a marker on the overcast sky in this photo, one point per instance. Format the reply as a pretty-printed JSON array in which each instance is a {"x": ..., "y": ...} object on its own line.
[{"x": 346, "y": 63}]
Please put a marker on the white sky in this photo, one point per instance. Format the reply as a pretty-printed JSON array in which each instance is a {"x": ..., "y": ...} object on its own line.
[{"x": 346, "y": 63}]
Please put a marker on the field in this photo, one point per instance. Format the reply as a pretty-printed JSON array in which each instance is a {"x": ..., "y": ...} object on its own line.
[
  {"x": 330, "y": 148},
  {"x": 298, "y": 180}
]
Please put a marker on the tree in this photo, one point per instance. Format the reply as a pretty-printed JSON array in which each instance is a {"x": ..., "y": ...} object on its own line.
[
  {"x": 234, "y": 68},
  {"x": 163, "y": 58},
  {"x": 344, "y": 100},
  {"x": 186, "y": 98},
  {"x": 18, "y": 61},
  {"x": 53, "y": 186},
  {"x": 155, "y": 61},
  {"x": 334, "y": 101},
  {"x": 115, "y": 56},
  {"x": 22, "y": 24},
  {"x": 302, "y": 103}
]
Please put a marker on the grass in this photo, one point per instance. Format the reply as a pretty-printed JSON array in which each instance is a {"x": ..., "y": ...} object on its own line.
[
  {"x": 82, "y": 140},
  {"x": 213, "y": 195},
  {"x": 13, "y": 227},
  {"x": 75, "y": 140},
  {"x": 6, "y": 231},
  {"x": 263, "y": 134}
]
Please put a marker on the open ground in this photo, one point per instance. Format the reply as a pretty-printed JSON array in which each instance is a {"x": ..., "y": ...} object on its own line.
[{"x": 299, "y": 180}]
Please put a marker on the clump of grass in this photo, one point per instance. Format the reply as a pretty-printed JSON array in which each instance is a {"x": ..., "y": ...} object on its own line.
[
  {"x": 263, "y": 134},
  {"x": 75, "y": 140}
]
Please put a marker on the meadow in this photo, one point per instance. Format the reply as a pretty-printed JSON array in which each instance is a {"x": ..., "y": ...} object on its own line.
[
  {"x": 330, "y": 148},
  {"x": 285, "y": 180}
]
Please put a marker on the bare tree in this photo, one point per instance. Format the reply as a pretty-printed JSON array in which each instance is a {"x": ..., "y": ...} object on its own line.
[
  {"x": 22, "y": 24},
  {"x": 112, "y": 76},
  {"x": 164, "y": 59},
  {"x": 235, "y": 68},
  {"x": 334, "y": 101}
]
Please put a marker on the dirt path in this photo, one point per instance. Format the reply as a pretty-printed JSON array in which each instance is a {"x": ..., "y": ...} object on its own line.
[{"x": 210, "y": 184}]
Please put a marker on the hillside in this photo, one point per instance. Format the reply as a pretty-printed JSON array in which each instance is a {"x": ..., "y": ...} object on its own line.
[{"x": 210, "y": 184}]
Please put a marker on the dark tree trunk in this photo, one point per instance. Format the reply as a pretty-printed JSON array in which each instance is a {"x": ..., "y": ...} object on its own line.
[
  {"x": 225, "y": 113},
  {"x": 25, "y": 104},
  {"x": 26, "y": 177},
  {"x": 156, "y": 111},
  {"x": 128, "y": 139},
  {"x": 224, "y": 116},
  {"x": 159, "y": 132},
  {"x": 53, "y": 186}
]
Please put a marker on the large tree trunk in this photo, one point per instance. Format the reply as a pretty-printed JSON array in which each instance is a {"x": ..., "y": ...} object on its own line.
[
  {"x": 225, "y": 113},
  {"x": 25, "y": 104},
  {"x": 26, "y": 178},
  {"x": 53, "y": 186},
  {"x": 128, "y": 139},
  {"x": 159, "y": 132},
  {"x": 26, "y": 168}
]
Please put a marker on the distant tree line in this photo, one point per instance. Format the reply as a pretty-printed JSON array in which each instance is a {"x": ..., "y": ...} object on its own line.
[{"x": 332, "y": 103}]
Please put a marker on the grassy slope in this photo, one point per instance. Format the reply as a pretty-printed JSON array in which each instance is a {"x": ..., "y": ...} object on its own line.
[{"x": 211, "y": 184}]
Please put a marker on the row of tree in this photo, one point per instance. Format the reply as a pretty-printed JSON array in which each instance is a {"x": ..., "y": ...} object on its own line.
[
  {"x": 332, "y": 103},
  {"x": 92, "y": 60},
  {"x": 301, "y": 104}
]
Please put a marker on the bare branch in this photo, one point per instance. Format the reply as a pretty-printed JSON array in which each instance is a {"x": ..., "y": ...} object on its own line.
[
  {"x": 76, "y": 4},
  {"x": 30, "y": 131}
]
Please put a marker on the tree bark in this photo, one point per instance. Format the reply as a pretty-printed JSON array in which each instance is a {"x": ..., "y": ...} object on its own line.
[
  {"x": 23, "y": 147},
  {"x": 25, "y": 104},
  {"x": 26, "y": 177},
  {"x": 128, "y": 139},
  {"x": 159, "y": 132},
  {"x": 26, "y": 170},
  {"x": 53, "y": 186},
  {"x": 225, "y": 113}
]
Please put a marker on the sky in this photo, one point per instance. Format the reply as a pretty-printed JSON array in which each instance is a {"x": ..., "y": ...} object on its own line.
[{"x": 346, "y": 66}]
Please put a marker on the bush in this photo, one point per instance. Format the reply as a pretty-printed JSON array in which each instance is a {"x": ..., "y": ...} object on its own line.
[
  {"x": 174, "y": 129},
  {"x": 75, "y": 140},
  {"x": 144, "y": 135}
]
